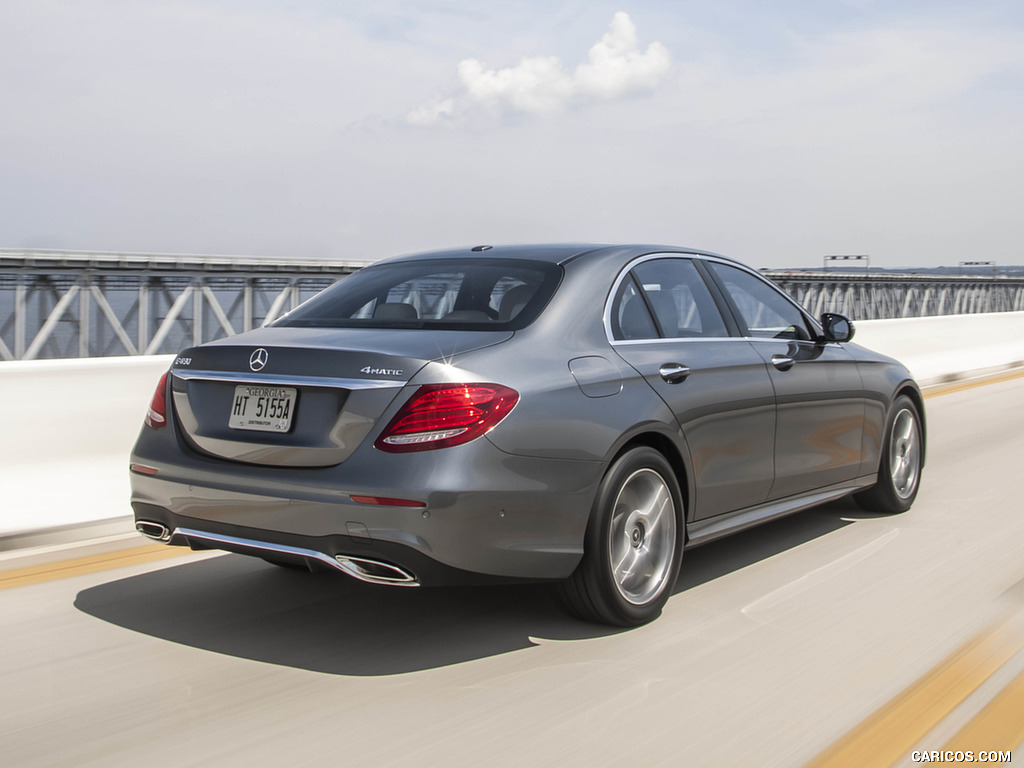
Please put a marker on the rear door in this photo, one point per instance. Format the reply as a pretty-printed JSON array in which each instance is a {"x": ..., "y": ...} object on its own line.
[{"x": 665, "y": 324}]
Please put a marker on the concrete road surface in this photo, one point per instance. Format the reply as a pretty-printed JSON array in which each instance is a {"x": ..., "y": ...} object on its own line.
[{"x": 833, "y": 636}]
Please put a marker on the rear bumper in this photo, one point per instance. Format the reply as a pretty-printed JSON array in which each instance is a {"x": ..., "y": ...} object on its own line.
[
  {"x": 380, "y": 563},
  {"x": 489, "y": 516}
]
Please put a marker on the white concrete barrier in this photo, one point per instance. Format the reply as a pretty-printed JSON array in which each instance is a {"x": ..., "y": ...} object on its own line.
[
  {"x": 65, "y": 435},
  {"x": 68, "y": 425},
  {"x": 937, "y": 349},
  {"x": 69, "y": 409}
]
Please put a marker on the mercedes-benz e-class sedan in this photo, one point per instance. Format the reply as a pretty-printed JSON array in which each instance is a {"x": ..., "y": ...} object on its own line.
[{"x": 577, "y": 414}]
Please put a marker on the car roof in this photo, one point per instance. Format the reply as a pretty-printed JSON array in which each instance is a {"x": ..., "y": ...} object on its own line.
[{"x": 556, "y": 253}]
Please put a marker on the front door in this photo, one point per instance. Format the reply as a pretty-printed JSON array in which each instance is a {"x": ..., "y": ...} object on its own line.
[{"x": 819, "y": 426}]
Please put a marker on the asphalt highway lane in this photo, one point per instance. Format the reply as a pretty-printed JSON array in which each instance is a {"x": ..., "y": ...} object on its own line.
[{"x": 804, "y": 640}]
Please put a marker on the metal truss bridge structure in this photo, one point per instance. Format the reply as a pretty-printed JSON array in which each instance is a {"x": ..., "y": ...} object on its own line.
[
  {"x": 58, "y": 304},
  {"x": 865, "y": 296}
]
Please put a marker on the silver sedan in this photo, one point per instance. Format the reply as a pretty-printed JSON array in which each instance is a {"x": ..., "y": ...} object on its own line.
[{"x": 578, "y": 414}]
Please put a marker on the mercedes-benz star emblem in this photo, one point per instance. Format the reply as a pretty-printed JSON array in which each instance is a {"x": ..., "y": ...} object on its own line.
[{"x": 258, "y": 359}]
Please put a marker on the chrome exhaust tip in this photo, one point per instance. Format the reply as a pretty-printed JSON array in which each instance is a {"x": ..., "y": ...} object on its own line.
[
  {"x": 376, "y": 572},
  {"x": 151, "y": 530}
]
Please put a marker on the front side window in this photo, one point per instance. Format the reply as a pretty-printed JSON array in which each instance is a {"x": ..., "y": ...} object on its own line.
[
  {"x": 665, "y": 298},
  {"x": 453, "y": 294},
  {"x": 764, "y": 311}
]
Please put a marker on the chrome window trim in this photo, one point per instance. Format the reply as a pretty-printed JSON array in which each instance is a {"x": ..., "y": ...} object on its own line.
[
  {"x": 607, "y": 318},
  {"x": 684, "y": 339},
  {"x": 776, "y": 340},
  {"x": 278, "y": 379},
  {"x": 622, "y": 276},
  {"x": 691, "y": 339}
]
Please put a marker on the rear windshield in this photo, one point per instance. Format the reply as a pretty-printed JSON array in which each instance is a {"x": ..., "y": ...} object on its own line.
[{"x": 456, "y": 294}]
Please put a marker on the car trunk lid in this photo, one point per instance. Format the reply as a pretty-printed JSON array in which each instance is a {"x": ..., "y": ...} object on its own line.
[{"x": 300, "y": 397}]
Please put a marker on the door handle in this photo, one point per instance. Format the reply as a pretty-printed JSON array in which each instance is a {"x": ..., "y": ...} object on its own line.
[
  {"x": 782, "y": 362},
  {"x": 673, "y": 373}
]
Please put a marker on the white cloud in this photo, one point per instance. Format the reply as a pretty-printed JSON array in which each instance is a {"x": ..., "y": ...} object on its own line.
[
  {"x": 431, "y": 113},
  {"x": 615, "y": 67},
  {"x": 538, "y": 84}
]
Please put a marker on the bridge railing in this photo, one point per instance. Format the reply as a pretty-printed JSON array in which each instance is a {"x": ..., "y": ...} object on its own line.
[
  {"x": 892, "y": 296},
  {"x": 71, "y": 304},
  {"x": 61, "y": 304}
]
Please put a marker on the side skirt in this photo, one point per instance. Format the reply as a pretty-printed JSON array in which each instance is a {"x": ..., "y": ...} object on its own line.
[{"x": 703, "y": 531}]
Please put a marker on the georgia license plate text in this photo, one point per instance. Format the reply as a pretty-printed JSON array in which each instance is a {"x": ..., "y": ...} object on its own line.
[{"x": 267, "y": 409}]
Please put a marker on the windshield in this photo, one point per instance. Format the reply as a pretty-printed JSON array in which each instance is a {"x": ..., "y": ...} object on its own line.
[{"x": 445, "y": 294}]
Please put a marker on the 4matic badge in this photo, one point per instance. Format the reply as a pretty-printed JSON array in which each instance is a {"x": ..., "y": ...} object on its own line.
[{"x": 380, "y": 371}]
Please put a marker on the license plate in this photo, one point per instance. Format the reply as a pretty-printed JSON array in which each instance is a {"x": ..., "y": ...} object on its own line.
[{"x": 262, "y": 408}]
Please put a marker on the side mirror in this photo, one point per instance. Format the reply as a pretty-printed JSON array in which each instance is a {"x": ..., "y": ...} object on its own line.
[{"x": 837, "y": 327}]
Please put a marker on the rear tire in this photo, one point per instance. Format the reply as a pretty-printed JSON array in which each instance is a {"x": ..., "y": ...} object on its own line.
[
  {"x": 633, "y": 545},
  {"x": 899, "y": 471}
]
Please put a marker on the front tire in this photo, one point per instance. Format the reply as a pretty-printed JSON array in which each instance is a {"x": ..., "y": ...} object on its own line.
[
  {"x": 633, "y": 545},
  {"x": 899, "y": 472}
]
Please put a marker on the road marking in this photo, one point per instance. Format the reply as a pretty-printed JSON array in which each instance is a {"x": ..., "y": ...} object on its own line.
[
  {"x": 79, "y": 566},
  {"x": 951, "y": 388},
  {"x": 890, "y": 733},
  {"x": 999, "y": 726}
]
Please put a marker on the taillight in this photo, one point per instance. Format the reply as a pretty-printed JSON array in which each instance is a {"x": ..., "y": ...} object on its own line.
[
  {"x": 156, "y": 416},
  {"x": 443, "y": 415}
]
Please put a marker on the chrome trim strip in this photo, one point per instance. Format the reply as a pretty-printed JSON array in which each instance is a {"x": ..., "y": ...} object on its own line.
[
  {"x": 703, "y": 531},
  {"x": 310, "y": 554},
  {"x": 273, "y": 378},
  {"x": 691, "y": 339},
  {"x": 676, "y": 340}
]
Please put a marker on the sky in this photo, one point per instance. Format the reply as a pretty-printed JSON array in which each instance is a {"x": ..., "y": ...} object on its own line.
[{"x": 775, "y": 133}]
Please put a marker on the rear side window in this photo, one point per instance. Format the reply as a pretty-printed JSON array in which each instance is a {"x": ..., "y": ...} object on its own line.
[
  {"x": 665, "y": 298},
  {"x": 680, "y": 299},
  {"x": 456, "y": 294}
]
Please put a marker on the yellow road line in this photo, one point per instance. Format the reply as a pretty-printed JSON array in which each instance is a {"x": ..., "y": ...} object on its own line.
[
  {"x": 999, "y": 726},
  {"x": 951, "y": 388},
  {"x": 35, "y": 574},
  {"x": 891, "y": 732}
]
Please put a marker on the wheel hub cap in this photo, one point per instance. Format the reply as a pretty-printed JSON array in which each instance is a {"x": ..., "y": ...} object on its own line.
[
  {"x": 643, "y": 537},
  {"x": 905, "y": 454}
]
